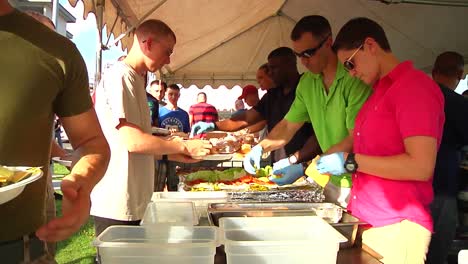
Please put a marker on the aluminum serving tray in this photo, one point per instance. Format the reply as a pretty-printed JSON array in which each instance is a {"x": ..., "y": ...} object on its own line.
[{"x": 342, "y": 221}]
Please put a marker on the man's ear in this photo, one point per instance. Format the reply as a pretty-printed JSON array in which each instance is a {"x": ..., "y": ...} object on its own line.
[{"x": 461, "y": 74}]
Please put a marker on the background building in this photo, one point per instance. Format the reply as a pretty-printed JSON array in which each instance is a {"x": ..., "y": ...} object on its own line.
[{"x": 45, "y": 7}]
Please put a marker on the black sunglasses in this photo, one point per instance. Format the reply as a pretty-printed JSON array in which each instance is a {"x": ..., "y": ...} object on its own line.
[
  {"x": 349, "y": 64},
  {"x": 311, "y": 52}
]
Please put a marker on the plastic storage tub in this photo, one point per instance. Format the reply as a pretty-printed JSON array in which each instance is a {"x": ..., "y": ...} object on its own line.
[
  {"x": 163, "y": 245},
  {"x": 199, "y": 199},
  {"x": 278, "y": 240},
  {"x": 170, "y": 213}
]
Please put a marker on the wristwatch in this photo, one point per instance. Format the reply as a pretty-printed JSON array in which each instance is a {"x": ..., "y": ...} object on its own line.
[
  {"x": 350, "y": 164},
  {"x": 292, "y": 159}
]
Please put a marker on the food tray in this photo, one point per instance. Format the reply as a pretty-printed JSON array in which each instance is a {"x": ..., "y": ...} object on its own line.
[
  {"x": 328, "y": 211},
  {"x": 336, "y": 216},
  {"x": 310, "y": 194}
]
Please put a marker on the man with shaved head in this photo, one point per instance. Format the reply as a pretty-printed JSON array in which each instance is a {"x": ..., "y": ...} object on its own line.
[
  {"x": 447, "y": 72},
  {"x": 124, "y": 192}
]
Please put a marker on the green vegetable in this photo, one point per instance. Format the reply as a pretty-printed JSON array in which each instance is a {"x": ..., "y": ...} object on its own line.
[
  {"x": 264, "y": 172},
  {"x": 214, "y": 176},
  {"x": 209, "y": 176}
]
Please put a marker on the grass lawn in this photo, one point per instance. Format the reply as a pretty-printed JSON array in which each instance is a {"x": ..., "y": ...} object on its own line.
[{"x": 78, "y": 248}]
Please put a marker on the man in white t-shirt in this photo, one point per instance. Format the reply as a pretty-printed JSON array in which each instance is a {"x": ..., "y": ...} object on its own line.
[{"x": 123, "y": 194}]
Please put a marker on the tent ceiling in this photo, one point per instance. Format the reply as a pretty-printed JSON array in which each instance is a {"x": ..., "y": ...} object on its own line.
[{"x": 224, "y": 41}]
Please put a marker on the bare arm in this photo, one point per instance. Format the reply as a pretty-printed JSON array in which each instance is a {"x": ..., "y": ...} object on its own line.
[
  {"x": 280, "y": 135},
  {"x": 138, "y": 141},
  {"x": 257, "y": 127},
  {"x": 346, "y": 145},
  {"x": 243, "y": 120},
  {"x": 309, "y": 151},
  {"x": 56, "y": 150},
  {"x": 90, "y": 144},
  {"x": 93, "y": 149},
  {"x": 417, "y": 164}
]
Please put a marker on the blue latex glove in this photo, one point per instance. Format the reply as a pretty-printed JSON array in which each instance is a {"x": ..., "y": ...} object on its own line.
[
  {"x": 252, "y": 159},
  {"x": 201, "y": 127},
  {"x": 282, "y": 163},
  {"x": 332, "y": 164},
  {"x": 289, "y": 174}
]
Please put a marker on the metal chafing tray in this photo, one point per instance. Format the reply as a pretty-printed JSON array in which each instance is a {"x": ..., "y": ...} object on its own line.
[
  {"x": 342, "y": 221},
  {"x": 304, "y": 194}
]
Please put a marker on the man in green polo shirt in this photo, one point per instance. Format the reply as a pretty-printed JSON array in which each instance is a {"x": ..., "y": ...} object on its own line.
[{"x": 327, "y": 96}]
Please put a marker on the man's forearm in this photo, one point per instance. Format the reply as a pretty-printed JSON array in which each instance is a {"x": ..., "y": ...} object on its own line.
[
  {"x": 92, "y": 165},
  {"x": 309, "y": 151},
  {"x": 346, "y": 145},
  {"x": 230, "y": 125},
  {"x": 280, "y": 135},
  {"x": 257, "y": 127},
  {"x": 148, "y": 144}
]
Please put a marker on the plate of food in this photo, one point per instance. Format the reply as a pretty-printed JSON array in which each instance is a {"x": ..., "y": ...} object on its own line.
[{"x": 14, "y": 179}]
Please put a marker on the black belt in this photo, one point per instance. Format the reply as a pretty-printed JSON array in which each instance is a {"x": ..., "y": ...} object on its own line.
[
  {"x": 32, "y": 249},
  {"x": 21, "y": 239}
]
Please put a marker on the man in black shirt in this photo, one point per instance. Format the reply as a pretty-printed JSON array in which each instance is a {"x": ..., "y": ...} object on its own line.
[
  {"x": 447, "y": 72},
  {"x": 272, "y": 108}
]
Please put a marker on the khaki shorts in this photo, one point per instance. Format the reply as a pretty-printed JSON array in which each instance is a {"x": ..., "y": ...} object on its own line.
[{"x": 401, "y": 243}]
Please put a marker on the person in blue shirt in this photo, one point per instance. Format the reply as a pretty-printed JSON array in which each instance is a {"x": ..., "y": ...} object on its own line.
[
  {"x": 176, "y": 120},
  {"x": 171, "y": 116}
]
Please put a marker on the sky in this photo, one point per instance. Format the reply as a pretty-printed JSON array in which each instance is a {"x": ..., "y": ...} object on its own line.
[{"x": 85, "y": 37}]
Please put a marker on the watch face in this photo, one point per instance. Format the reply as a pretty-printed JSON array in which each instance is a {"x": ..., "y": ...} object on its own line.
[{"x": 350, "y": 167}]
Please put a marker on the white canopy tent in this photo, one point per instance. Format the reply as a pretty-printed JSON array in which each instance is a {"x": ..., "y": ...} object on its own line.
[{"x": 225, "y": 41}]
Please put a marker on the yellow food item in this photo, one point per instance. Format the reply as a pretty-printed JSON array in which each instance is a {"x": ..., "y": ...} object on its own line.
[
  {"x": 258, "y": 187},
  {"x": 312, "y": 172},
  {"x": 245, "y": 148},
  {"x": 263, "y": 179}
]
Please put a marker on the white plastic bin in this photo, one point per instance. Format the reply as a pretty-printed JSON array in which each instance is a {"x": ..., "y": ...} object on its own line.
[
  {"x": 162, "y": 245},
  {"x": 278, "y": 240},
  {"x": 199, "y": 199},
  {"x": 170, "y": 213}
]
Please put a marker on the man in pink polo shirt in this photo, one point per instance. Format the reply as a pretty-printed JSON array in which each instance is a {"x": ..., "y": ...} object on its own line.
[{"x": 395, "y": 141}]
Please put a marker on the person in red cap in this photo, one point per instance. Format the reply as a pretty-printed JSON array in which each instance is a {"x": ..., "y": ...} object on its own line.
[{"x": 250, "y": 95}]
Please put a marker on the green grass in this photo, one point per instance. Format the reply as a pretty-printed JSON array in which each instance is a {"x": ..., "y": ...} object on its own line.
[{"x": 78, "y": 248}]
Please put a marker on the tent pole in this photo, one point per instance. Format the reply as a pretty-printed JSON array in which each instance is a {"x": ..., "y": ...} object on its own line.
[
  {"x": 55, "y": 8},
  {"x": 99, "y": 19}
]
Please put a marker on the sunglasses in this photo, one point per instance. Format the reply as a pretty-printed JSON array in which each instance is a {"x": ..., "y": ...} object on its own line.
[
  {"x": 349, "y": 64},
  {"x": 311, "y": 52}
]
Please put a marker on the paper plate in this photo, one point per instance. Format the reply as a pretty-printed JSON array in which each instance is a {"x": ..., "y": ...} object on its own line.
[{"x": 11, "y": 191}]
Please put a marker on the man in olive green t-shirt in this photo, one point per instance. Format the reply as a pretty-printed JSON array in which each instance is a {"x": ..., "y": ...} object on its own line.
[
  {"x": 327, "y": 96},
  {"x": 43, "y": 74}
]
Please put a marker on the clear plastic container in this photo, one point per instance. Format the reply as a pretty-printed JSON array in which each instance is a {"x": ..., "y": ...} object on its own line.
[
  {"x": 170, "y": 213},
  {"x": 199, "y": 199},
  {"x": 275, "y": 240},
  {"x": 162, "y": 245}
]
